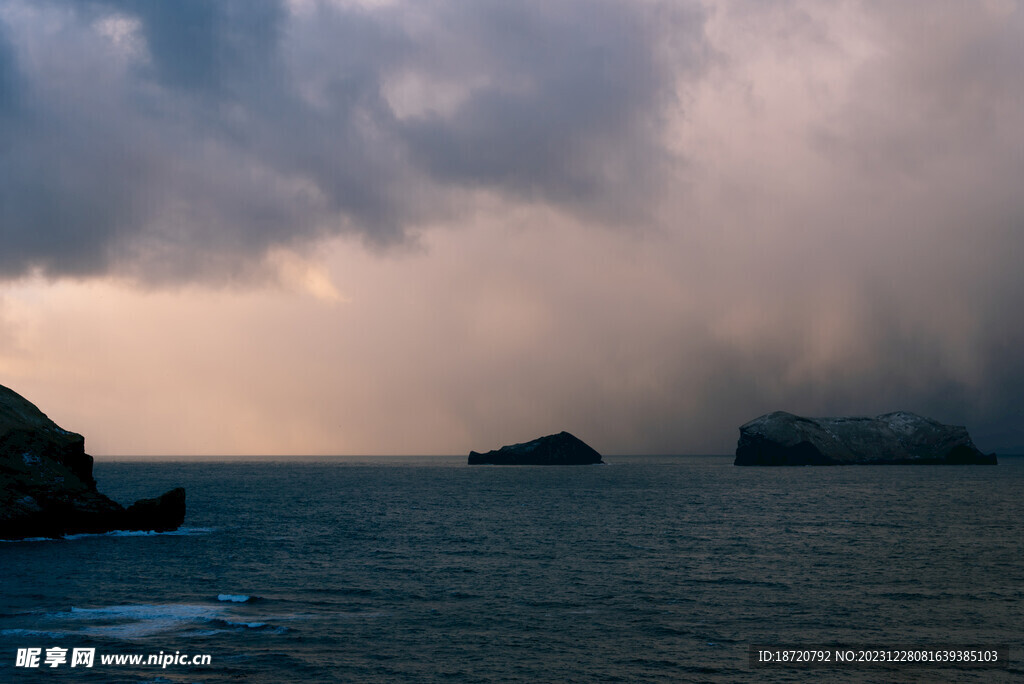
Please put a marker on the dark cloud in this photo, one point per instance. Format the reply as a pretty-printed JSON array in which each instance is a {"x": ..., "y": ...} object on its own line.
[
  {"x": 172, "y": 140},
  {"x": 840, "y": 218},
  {"x": 207, "y": 46},
  {"x": 573, "y": 111},
  {"x": 857, "y": 235},
  {"x": 8, "y": 75}
]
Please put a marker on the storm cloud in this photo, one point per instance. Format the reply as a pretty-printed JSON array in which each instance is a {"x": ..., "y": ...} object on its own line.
[
  {"x": 181, "y": 140},
  {"x": 646, "y": 222}
]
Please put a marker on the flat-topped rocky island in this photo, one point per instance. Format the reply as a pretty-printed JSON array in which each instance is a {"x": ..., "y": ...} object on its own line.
[{"x": 899, "y": 438}]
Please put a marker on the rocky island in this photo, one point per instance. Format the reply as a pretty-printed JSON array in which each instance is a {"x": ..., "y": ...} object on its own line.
[
  {"x": 560, "y": 449},
  {"x": 900, "y": 438},
  {"x": 46, "y": 483}
]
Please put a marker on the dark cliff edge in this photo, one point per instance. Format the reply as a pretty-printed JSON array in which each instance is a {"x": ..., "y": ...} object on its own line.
[
  {"x": 560, "y": 449},
  {"x": 899, "y": 438},
  {"x": 46, "y": 483}
]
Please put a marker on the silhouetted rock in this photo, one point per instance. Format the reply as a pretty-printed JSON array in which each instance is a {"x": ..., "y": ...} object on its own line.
[
  {"x": 46, "y": 483},
  {"x": 900, "y": 438},
  {"x": 162, "y": 514},
  {"x": 560, "y": 449}
]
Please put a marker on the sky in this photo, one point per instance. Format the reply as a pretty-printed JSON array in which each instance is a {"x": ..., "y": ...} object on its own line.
[{"x": 430, "y": 226}]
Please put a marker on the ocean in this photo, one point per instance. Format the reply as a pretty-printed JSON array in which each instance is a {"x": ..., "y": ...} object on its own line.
[{"x": 647, "y": 569}]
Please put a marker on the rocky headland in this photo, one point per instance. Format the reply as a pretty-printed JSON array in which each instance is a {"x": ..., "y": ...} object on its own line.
[
  {"x": 900, "y": 438},
  {"x": 560, "y": 449},
  {"x": 46, "y": 483}
]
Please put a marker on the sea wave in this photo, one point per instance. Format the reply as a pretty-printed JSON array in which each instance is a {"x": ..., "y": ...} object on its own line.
[
  {"x": 180, "y": 532},
  {"x": 137, "y": 621},
  {"x": 142, "y": 620}
]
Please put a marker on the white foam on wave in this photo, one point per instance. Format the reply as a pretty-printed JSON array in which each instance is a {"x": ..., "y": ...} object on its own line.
[
  {"x": 180, "y": 532},
  {"x": 144, "y": 620},
  {"x": 250, "y": 625},
  {"x": 136, "y": 621}
]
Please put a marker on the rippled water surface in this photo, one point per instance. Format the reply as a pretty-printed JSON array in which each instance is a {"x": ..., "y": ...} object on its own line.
[{"x": 423, "y": 570}]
